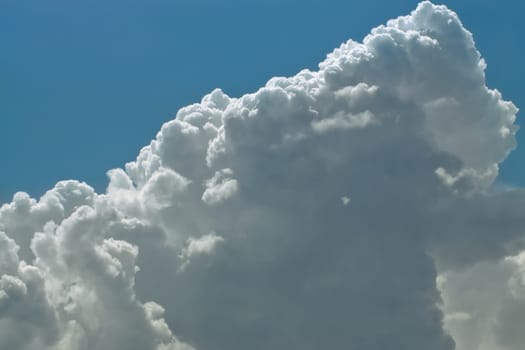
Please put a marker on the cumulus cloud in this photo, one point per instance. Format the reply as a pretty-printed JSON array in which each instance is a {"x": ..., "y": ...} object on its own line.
[
  {"x": 233, "y": 229},
  {"x": 485, "y": 304},
  {"x": 220, "y": 187}
]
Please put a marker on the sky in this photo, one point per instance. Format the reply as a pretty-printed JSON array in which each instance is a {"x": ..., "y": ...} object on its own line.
[
  {"x": 347, "y": 186},
  {"x": 85, "y": 85}
]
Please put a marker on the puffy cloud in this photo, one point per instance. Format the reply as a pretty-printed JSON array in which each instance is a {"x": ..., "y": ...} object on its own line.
[
  {"x": 220, "y": 187},
  {"x": 199, "y": 246},
  {"x": 78, "y": 292},
  {"x": 485, "y": 304},
  {"x": 237, "y": 217}
]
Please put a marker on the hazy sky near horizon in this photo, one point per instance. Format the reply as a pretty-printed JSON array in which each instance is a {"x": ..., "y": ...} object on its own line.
[{"x": 84, "y": 85}]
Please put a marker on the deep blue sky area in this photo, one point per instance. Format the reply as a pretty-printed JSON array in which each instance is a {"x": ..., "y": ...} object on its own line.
[{"x": 85, "y": 84}]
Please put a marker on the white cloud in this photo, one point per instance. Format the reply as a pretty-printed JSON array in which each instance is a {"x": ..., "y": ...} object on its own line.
[
  {"x": 228, "y": 219},
  {"x": 220, "y": 187},
  {"x": 198, "y": 246},
  {"x": 345, "y": 200},
  {"x": 341, "y": 121}
]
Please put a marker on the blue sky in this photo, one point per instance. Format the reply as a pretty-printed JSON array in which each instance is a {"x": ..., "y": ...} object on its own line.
[{"x": 85, "y": 84}]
